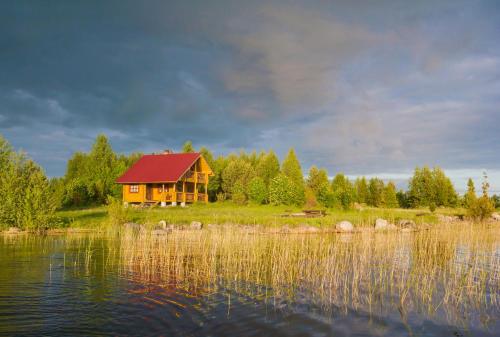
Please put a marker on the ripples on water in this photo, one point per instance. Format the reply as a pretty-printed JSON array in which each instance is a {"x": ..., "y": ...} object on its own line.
[{"x": 48, "y": 287}]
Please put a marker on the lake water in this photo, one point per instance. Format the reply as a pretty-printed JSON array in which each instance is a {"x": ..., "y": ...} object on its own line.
[{"x": 54, "y": 286}]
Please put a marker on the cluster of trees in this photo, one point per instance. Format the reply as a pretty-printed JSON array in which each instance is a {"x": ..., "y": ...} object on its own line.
[
  {"x": 27, "y": 201},
  {"x": 30, "y": 199},
  {"x": 90, "y": 177},
  {"x": 429, "y": 188},
  {"x": 341, "y": 192},
  {"x": 257, "y": 178},
  {"x": 261, "y": 178}
]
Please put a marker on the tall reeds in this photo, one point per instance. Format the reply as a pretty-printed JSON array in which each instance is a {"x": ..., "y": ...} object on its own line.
[{"x": 453, "y": 268}]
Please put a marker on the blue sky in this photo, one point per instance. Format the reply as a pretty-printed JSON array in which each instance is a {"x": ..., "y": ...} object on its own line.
[{"x": 362, "y": 87}]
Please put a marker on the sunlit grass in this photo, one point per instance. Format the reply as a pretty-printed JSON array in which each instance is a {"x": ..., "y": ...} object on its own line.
[{"x": 228, "y": 213}]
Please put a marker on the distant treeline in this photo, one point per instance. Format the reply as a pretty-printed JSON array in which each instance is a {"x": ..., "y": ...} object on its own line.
[
  {"x": 30, "y": 199},
  {"x": 257, "y": 178}
]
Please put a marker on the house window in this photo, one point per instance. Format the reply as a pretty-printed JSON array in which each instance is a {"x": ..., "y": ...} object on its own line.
[{"x": 134, "y": 188}]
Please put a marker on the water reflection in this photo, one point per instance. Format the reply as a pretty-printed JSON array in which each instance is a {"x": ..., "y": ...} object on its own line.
[{"x": 94, "y": 285}]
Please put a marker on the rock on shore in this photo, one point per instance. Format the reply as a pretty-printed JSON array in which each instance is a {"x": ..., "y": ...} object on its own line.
[
  {"x": 196, "y": 225},
  {"x": 344, "y": 226}
]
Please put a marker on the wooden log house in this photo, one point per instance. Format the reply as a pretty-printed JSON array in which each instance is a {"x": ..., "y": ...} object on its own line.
[{"x": 166, "y": 178}]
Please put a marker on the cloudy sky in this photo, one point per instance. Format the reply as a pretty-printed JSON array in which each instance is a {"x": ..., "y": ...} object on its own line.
[{"x": 363, "y": 87}]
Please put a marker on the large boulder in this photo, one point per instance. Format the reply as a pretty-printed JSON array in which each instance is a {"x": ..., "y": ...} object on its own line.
[
  {"x": 196, "y": 225},
  {"x": 495, "y": 216},
  {"x": 344, "y": 226},
  {"x": 381, "y": 224}
]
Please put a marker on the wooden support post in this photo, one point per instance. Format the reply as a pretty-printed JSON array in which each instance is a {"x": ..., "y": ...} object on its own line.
[
  {"x": 184, "y": 191},
  {"x": 163, "y": 198},
  {"x": 206, "y": 187}
]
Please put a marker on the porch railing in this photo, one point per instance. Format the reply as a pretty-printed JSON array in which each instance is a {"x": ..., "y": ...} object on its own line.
[
  {"x": 201, "y": 177},
  {"x": 190, "y": 197},
  {"x": 202, "y": 197}
]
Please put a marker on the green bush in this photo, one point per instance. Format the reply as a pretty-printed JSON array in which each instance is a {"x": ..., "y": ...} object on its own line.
[
  {"x": 481, "y": 208},
  {"x": 257, "y": 191},
  {"x": 27, "y": 201},
  {"x": 117, "y": 213},
  {"x": 238, "y": 196},
  {"x": 283, "y": 191}
]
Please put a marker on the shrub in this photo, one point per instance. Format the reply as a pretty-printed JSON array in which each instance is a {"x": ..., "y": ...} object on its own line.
[
  {"x": 327, "y": 198},
  {"x": 311, "y": 200},
  {"x": 257, "y": 191},
  {"x": 117, "y": 213},
  {"x": 283, "y": 191},
  {"x": 481, "y": 208},
  {"x": 432, "y": 207},
  {"x": 238, "y": 196},
  {"x": 26, "y": 195}
]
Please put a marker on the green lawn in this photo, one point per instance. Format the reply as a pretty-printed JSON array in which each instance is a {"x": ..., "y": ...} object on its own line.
[{"x": 228, "y": 213}]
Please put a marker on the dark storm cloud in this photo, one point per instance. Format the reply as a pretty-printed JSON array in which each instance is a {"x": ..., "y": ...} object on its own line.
[{"x": 354, "y": 86}]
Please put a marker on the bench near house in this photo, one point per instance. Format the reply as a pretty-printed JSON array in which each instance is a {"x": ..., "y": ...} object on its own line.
[{"x": 166, "y": 178}]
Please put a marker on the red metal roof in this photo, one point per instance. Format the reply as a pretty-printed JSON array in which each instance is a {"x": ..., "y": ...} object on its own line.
[{"x": 159, "y": 168}]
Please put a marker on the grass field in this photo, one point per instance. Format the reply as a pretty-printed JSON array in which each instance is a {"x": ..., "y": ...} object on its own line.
[{"x": 228, "y": 213}]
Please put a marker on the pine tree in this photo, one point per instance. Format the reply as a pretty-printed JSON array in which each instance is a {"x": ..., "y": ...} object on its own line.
[
  {"x": 390, "y": 197},
  {"x": 104, "y": 170},
  {"x": 470, "y": 196},
  {"x": 292, "y": 169},
  {"x": 268, "y": 167},
  {"x": 375, "y": 192},
  {"x": 361, "y": 188},
  {"x": 343, "y": 190},
  {"x": 317, "y": 180}
]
